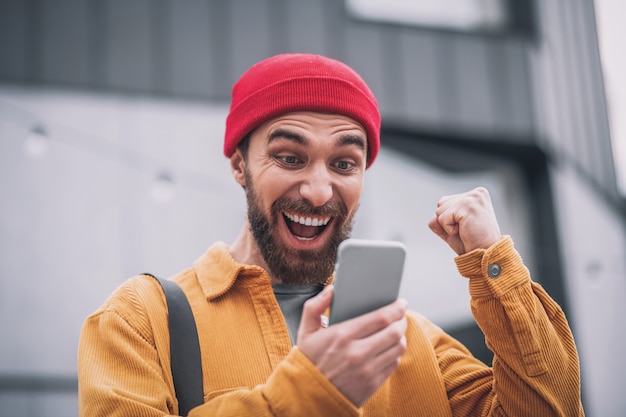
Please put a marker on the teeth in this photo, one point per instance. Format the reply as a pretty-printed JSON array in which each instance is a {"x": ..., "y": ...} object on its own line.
[{"x": 308, "y": 221}]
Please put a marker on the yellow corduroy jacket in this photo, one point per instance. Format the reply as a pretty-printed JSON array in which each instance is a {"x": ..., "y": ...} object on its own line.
[{"x": 250, "y": 367}]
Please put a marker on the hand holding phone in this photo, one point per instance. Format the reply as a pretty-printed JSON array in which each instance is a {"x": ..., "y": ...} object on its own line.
[{"x": 357, "y": 355}]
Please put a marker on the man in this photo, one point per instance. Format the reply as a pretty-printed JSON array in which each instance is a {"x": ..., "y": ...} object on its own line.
[{"x": 301, "y": 132}]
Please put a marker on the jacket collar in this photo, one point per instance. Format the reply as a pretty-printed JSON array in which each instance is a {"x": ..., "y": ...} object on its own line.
[{"x": 217, "y": 271}]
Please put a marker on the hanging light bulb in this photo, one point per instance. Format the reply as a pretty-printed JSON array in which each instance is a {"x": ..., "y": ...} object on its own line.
[
  {"x": 37, "y": 142},
  {"x": 163, "y": 187}
]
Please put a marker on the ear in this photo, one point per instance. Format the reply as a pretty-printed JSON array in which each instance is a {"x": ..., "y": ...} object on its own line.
[{"x": 238, "y": 167}]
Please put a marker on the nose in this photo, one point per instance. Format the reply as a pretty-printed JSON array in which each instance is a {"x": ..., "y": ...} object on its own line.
[{"x": 317, "y": 186}]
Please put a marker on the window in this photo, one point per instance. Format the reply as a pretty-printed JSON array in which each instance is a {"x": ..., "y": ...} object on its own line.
[{"x": 463, "y": 15}]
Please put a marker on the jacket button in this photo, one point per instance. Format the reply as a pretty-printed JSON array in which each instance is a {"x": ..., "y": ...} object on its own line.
[{"x": 493, "y": 270}]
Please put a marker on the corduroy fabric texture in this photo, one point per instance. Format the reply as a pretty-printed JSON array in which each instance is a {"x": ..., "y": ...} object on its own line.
[
  {"x": 251, "y": 368},
  {"x": 288, "y": 83}
]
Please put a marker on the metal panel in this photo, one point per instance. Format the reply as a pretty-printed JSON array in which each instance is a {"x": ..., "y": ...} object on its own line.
[
  {"x": 553, "y": 84},
  {"x": 474, "y": 83},
  {"x": 392, "y": 71},
  {"x": 13, "y": 24},
  {"x": 98, "y": 44},
  {"x": 161, "y": 53},
  {"x": 249, "y": 30},
  {"x": 587, "y": 114},
  {"x": 544, "y": 109},
  {"x": 280, "y": 28},
  {"x": 569, "y": 96},
  {"x": 306, "y": 24},
  {"x": 198, "y": 48},
  {"x": 594, "y": 98},
  {"x": 222, "y": 49},
  {"x": 193, "y": 70},
  {"x": 569, "y": 81},
  {"x": 364, "y": 53},
  {"x": 510, "y": 95},
  {"x": 520, "y": 93},
  {"x": 65, "y": 46},
  {"x": 335, "y": 22},
  {"x": 445, "y": 63},
  {"x": 34, "y": 36},
  {"x": 129, "y": 50},
  {"x": 420, "y": 78}
]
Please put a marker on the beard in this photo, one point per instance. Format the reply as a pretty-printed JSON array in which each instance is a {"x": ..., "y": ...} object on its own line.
[{"x": 289, "y": 265}]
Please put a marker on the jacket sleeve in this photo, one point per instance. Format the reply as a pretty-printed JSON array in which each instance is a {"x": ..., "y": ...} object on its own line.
[
  {"x": 535, "y": 368},
  {"x": 123, "y": 370},
  {"x": 119, "y": 367}
]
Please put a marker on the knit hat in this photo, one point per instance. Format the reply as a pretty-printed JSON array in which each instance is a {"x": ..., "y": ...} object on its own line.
[{"x": 300, "y": 82}]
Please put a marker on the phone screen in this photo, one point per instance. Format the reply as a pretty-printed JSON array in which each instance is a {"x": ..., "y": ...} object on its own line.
[{"x": 368, "y": 274}]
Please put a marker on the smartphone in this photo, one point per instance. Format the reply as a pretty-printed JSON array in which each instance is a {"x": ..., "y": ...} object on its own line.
[{"x": 368, "y": 274}]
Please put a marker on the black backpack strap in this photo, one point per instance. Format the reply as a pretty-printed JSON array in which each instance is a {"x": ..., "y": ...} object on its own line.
[{"x": 185, "y": 359}]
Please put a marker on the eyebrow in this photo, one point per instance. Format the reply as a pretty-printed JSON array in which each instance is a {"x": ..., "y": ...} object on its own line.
[
  {"x": 301, "y": 140},
  {"x": 352, "y": 140},
  {"x": 287, "y": 134}
]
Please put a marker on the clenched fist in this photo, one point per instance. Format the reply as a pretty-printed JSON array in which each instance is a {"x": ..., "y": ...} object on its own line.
[{"x": 466, "y": 221}]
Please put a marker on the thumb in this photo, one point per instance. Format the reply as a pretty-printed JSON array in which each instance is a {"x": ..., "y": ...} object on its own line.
[{"x": 312, "y": 311}]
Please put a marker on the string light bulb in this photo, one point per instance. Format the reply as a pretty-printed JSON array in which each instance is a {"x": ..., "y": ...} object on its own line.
[
  {"x": 37, "y": 142},
  {"x": 163, "y": 187}
]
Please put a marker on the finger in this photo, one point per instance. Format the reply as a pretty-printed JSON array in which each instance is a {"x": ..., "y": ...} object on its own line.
[
  {"x": 373, "y": 322},
  {"x": 445, "y": 202},
  {"x": 383, "y": 342},
  {"x": 313, "y": 308},
  {"x": 391, "y": 355},
  {"x": 436, "y": 228},
  {"x": 448, "y": 220}
]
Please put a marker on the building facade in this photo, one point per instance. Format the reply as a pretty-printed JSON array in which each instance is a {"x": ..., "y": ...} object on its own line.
[{"x": 111, "y": 121}]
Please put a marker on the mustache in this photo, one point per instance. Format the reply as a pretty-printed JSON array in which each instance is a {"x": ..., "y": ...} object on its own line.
[{"x": 331, "y": 208}]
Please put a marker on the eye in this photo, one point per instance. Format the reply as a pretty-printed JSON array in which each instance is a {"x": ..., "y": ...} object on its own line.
[
  {"x": 288, "y": 160},
  {"x": 345, "y": 165}
]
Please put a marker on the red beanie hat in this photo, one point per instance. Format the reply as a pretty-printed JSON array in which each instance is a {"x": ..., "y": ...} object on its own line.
[{"x": 300, "y": 82}]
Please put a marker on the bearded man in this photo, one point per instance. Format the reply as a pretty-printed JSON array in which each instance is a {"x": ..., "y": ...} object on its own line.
[{"x": 301, "y": 132}]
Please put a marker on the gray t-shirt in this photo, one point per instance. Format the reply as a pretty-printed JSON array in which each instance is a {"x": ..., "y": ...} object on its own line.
[{"x": 291, "y": 300}]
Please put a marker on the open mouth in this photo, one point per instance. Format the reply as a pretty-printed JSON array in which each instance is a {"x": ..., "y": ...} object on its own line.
[{"x": 306, "y": 227}]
